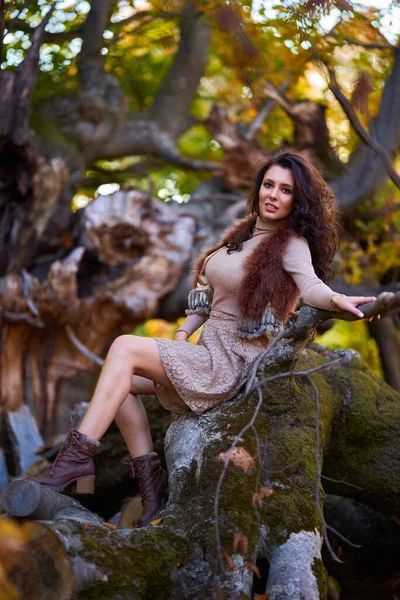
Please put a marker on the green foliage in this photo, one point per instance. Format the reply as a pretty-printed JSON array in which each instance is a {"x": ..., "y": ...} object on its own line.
[{"x": 353, "y": 335}]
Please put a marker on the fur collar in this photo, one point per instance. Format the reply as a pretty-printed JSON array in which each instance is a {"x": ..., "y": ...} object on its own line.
[{"x": 266, "y": 285}]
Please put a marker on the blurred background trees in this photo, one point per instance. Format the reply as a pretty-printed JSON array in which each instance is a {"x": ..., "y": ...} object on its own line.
[{"x": 129, "y": 131}]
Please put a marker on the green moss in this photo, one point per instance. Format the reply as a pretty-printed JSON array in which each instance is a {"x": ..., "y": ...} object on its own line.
[
  {"x": 321, "y": 576},
  {"x": 139, "y": 565}
]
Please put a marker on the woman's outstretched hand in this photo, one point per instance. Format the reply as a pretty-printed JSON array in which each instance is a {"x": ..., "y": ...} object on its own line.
[{"x": 341, "y": 302}]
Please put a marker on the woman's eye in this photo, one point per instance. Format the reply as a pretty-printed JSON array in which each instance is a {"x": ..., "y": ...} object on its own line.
[
  {"x": 266, "y": 184},
  {"x": 287, "y": 191}
]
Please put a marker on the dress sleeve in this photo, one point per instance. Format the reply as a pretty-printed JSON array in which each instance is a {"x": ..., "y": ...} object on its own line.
[
  {"x": 192, "y": 323},
  {"x": 199, "y": 305},
  {"x": 297, "y": 262}
]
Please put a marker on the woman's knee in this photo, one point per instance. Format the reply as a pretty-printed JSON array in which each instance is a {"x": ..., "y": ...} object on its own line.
[{"x": 123, "y": 345}]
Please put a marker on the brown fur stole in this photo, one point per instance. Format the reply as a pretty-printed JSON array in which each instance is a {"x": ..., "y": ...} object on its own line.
[{"x": 265, "y": 283}]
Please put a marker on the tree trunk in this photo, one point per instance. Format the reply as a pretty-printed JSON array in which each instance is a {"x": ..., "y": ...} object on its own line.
[{"x": 359, "y": 424}]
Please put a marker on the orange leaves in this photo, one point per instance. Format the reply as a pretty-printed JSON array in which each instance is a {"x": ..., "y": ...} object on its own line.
[
  {"x": 325, "y": 5},
  {"x": 241, "y": 458},
  {"x": 240, "y": 543},
  {"x": 233, "y": 567},
  {"x": 228, "y": 560},
  {"x": 228, "y": 17},
  {"x": 258, "y": 497},
  {"x": 109, "y": 525},
  {"x": 362, "y": 89}
]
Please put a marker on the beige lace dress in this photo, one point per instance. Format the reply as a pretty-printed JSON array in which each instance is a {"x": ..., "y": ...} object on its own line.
[{"x": 216, "y": 368}]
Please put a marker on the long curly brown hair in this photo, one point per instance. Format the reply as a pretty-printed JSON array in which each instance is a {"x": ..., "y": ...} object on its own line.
[{"x": 313, "y": 216}]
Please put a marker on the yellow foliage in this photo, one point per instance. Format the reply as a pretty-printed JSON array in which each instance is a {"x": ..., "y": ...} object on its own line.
[
  {"x": 164, "y": 329},
  {"x": 13, "y": 538},
  {"x": 353, "y": 335}
]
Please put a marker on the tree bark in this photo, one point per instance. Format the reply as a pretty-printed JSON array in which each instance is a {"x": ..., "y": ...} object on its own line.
[
  {"x": 284, "y": 452},
  {"x": 385, "y": 334}
]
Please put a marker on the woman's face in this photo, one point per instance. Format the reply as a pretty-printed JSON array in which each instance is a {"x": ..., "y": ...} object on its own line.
[{"x": 276, "y": 196}]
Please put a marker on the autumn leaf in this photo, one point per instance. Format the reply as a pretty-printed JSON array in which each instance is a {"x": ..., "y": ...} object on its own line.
[
  {"x": 362, "y": 89},
  {"x": 228, "y": 559},
  {"x": 264, "y": 492},
  {"x": 343, "y": 5},
  {"x": 240, "y": 543},
  {"x": 253, "y": 569},
  {"x": 228, "y": 18},
  {"x": 218, "y": 592},
  {"x": 236, "y": 541},
  {"x": 109, "y": 525},
  {"x": 244, "y": 545},
  {"x": 240, "y": 457},
  {"x": 157, "y": 521}
]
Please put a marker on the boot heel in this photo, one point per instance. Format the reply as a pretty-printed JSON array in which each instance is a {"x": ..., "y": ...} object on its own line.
[{"x": 85, "y": 486}]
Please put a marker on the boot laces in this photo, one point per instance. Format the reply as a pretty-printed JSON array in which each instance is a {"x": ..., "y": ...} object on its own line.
[
  {"x": 145, "y": 483},
  {"x": 67, "y": 451}
]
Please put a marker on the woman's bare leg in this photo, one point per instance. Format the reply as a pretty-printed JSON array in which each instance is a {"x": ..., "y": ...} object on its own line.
[
  {"x": 132, "y": 420},
  {"x": 128, "y": 355}
]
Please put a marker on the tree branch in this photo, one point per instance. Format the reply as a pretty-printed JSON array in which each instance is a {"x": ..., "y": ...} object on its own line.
[
  {"x": 254, "y": 127},
  {"x": 364, "y": 174},
  {"x": 173, "y": 99},
  {"x": 49, "y": 37},
  {"x": 25, "y": 81},
  {"x": 367, "y": 45},
  {"x": 90, "y": 59},
  {"x": 302, "y": 329},
  {"x": 360, "y": 129},
  {"x": 1, "y": 29}
]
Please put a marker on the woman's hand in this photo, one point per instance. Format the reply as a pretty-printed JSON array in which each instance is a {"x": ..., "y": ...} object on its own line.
[
  {"x": 340, "y": 302},
  {"x": 181, "y": 336}
]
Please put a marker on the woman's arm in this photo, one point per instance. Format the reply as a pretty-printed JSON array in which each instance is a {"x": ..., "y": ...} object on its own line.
[
  {"x": 199, "y": 307},
  {"x": 189, "y": 326},
  {"x": 297, "y": 262}
]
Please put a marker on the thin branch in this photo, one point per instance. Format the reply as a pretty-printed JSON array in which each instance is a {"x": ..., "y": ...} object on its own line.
[
  {"x": 345, "y": 539},
  {"x": 367, "y": 45},
  {"x": 21, "y": 317},
  {"x": 1, "y": 29},
  {"x": 318, "y": 478},
  {"x": 358, "y": 127},
  {"x": 343, "y": 481},
  {"x": 293, "y": 374},
  {"x": 239, "y": 436},
  {"x": 173, "y": 155},
  {"x": 254, "y": 127},
  {"x": 223, "y": 472},
  {"x": 81, "y": 347}
]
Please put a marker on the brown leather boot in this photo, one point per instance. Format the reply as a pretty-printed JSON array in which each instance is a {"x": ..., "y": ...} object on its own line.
[
  {"x": 153, "y": 485},
  {"x": 73, "y": 463}
]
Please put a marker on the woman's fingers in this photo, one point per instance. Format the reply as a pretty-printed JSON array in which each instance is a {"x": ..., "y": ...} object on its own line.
[
  {"x": 351, "y": 304},
  {"x": 362, "y": 299}
]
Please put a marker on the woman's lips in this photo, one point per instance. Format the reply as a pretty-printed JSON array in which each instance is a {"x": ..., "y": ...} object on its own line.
[{"x": 271, "y": 208}]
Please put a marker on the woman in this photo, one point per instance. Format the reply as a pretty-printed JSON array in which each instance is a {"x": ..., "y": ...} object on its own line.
[{"x": 245, "y": 286}]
